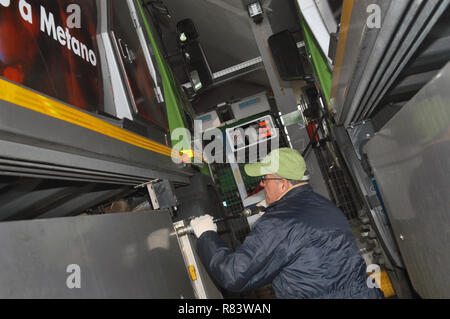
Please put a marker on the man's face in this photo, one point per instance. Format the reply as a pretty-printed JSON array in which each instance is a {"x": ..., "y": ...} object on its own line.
[{"x": 274, "y": 188}]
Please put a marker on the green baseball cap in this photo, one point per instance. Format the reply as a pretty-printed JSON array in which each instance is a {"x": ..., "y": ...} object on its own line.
[{"x": 284, "y": 162}]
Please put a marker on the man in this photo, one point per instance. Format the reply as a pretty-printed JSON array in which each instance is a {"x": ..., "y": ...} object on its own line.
[{"x": 303, "y": 243}]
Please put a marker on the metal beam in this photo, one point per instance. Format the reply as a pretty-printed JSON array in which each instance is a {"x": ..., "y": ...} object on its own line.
[
  {"x": 16, "y": 191},
  {"x": 80, "y": 202},
  {"x": 287, "y": 103},
  {"x": 40, "y": 201},
  {"x": 75, "y": 153},
  {"x": 239, "y": 70}
]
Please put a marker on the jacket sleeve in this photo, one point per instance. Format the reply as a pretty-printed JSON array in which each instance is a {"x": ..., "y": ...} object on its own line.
[{"x": 253, "y": 265}]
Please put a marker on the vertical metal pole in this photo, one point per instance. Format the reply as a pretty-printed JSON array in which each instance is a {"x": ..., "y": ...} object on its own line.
[
  {"x": 204, "y": 287},
  {"x": 287, "y": 103},
  {"x": 236, "y": 171}
]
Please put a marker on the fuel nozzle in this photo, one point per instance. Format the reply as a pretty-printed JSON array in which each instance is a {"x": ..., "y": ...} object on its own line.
[
  {"x": 182, "y": 231},
  {"x": 252, "y": 211}
]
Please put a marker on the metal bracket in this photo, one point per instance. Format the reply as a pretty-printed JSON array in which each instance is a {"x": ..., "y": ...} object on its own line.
[
  {"x": 162, "y": 194},
  {"x": 165, "y": 194},
  {"x": 373, "y": 200},
  {"x": 151, "y": 192},
  {"x": 359, "y": 135},
  {"x": 364, "y": 183}
]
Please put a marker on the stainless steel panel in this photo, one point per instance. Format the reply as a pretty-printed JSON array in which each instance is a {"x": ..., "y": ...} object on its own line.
[
  {"x": 374, "y": 58},
  {"x": 414, "y": 37},
  {"x": 410, "y": 157},
  {"x": 358, "y": 47},
  {"x": 387, "y": 45},
  {"x": 204, "y": 286},
  {"x": 120, "y": 256}
]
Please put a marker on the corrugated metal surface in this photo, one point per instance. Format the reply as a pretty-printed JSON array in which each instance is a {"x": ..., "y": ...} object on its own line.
[{"x": 375, "y": 58}]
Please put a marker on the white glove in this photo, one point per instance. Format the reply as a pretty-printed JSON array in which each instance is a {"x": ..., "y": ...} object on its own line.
[
  {"x": 262, "y": 203},
  {"x": 203, "y": 224}
]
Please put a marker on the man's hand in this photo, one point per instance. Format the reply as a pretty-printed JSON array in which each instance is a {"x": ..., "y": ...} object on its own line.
[{"x": 203, "y": 224}]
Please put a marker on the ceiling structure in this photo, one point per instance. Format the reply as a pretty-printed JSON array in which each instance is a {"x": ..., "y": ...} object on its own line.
[
  {"x": 227, "y": 39},
  {"x": 223, "y": 26},
  {"x": 226, "y": 35}
]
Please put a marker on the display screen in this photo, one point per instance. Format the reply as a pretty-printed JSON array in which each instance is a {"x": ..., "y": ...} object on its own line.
[
  {"x": 252, "y": 133},
  {"x": 51, "y": 47}
]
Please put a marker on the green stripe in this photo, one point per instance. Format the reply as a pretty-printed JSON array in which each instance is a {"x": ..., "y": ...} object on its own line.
[
  {"x": 321, "y": 68},
  {"x": 171, "y": 88}
]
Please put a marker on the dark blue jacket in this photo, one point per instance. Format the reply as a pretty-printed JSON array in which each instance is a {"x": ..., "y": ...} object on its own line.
[{"x": 303, "y": 245}]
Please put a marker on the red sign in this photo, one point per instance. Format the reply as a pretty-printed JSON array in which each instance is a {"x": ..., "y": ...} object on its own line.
[{"x": 51, "y": 47}]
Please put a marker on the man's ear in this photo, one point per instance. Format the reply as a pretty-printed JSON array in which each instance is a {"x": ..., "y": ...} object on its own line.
[{"x": 286, "y": 184}]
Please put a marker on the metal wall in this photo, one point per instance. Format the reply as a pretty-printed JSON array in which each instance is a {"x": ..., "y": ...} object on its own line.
[
  {"x": 134, "y": 255},
  {"x": 374, "y": 57},
  {"x": 410, "y": 158}
]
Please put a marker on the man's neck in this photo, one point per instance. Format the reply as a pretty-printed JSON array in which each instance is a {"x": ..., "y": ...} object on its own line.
[{"x": 291, "y": 188}]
